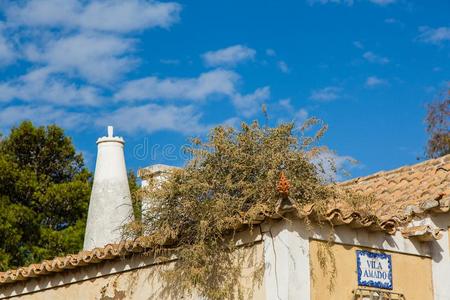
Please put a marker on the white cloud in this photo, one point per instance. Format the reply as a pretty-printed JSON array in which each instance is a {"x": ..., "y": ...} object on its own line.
[
  {"x": 42, "y": 115},
  {"x": 283, "y": 66},
  {"x": 333, "y": 167},
  {"x": 390, "y": 20},
  {"x": 270, "y": 52},
  {"x": 98, "y": 58},
  {"x": 113, "y": 16},
  {"x": 374, "y": 58},
  {"x": 373, "y": 81},
  {"x": 347, "y": 2},
  {"x": 83, "y": 39},
  {"x": 7, "y": 52},
  {"x": 393, "y": 21},
  {"x": 286, "y": 104},
  {"x": 249, "y": 104},
  {"x": 228, "y": 56},
  {"x": 77, "y": 49},
  {"x": 289, "y": 113},
  {"x": 383, "y": 2},
  {"x": 301, "y": 115},
  {"x": 351, "y": 2},
  {"x": 129, "y": 15},
  {"x": 39, "y": 86},
  {"x": 326, "y": 94},
  {"x": 170, "y": 61},
  {"x": 216, "y": 82},
  {"x": 152, "y": 117},
  {"x": 44, "y": 13},
  {"x": 358, "y": 44},
  {"x": 76, "y": 52},
  {"x": 234, "y": 122},
  {"x": 434, "y": 35}
]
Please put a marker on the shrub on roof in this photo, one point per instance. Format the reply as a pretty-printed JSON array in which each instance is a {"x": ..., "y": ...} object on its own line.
[{"x": 233, "y": 178}]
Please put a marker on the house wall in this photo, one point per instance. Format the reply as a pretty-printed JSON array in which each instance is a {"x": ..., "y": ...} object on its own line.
[
  {"x": 440, "y": 251},
  {"x": 411, "y": 274},
  {"x": 287, "y": 257},
  {"x": 135, "y": 278},
  {"x": 287, "y": 253}
]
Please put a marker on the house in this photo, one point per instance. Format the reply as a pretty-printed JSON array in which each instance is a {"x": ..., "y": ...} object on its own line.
[{"x": 399, "y": 251}]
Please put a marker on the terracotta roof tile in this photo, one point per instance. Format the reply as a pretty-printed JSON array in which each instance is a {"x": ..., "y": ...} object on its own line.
[
  {"x": 423, "y": 233},
  {"x": 113, "y": 251},
  {"x": 72, "y": 261},
  {"x": 408, "y": 190}
]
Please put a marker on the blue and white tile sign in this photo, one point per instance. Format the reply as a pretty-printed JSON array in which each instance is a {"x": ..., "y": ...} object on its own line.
[{"x": 374, "y": 269}]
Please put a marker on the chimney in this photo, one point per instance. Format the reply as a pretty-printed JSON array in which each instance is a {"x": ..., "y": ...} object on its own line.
[
  {"x": 159, "y": 174},
  {"x": 110, "y": 204}
]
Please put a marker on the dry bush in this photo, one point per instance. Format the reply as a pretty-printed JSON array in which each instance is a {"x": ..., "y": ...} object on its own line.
[{"x": 231, "y": 179}]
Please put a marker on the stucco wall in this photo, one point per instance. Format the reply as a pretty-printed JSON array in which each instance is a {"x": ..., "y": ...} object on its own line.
[
  {"x": 136, "y": 278},
  {"x": 412, "y": 275},
  {"x": 286, "y": 252},
  {"x": 440, "y": 250}
]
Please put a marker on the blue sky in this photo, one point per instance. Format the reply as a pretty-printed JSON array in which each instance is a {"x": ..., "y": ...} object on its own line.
[{"x": 161, "y": 72}]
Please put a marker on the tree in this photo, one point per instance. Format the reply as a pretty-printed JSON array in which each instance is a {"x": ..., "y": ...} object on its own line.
[
  {"x": 133, "y": 185},
  {"x": 233, "y": 178},
  {"x": 44, "y": 195},
  {"x": 438, "y": 127}
]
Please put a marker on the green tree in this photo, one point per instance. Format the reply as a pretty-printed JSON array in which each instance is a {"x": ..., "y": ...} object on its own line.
[
  {"x": 438, "y": 127},
  {"x": 44, "y": 195},
  {"x": 134, "y": 190}
]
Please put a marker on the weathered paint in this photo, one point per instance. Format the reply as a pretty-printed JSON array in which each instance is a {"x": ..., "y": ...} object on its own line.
[
  {"x": 110, "y": 204},
  {"x": 440, "y": 251},
  {"x": 136, "y": 278},
  {"x": 411, "y": 273},
  {"x": 286, "y": 252},
  {"x": 287, "y": 255}
]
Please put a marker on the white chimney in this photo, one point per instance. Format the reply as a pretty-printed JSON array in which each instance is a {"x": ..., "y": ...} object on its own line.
[
  {"x": 158, "y": 173},
  {"x": 110, "y": 204}
]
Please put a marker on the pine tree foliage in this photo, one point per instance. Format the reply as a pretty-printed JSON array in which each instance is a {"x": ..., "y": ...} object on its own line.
[{"x": 44, "y": 195}]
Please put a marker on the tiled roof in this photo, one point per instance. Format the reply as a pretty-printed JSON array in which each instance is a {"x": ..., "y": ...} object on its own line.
[
  {"x": 72, "y": 261},
  {"x": 409, "y": 190},
  {"x": 423, "y": 233},
  {"x": 400, "y": 194},
  {"x": 113, "y": 251}
]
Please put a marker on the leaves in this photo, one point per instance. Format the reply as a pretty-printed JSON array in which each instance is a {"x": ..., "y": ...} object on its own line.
[
  {"x": 231, "y": 179},
  {"x": 44, "y": 195},
  {"x": 438, "y": 127}
]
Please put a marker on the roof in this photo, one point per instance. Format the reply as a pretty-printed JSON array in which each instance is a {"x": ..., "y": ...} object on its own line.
[
  {"x": 400, "y": 194},
  {"x": 58, "y": 264},
  {"x": 409, "y": 190},
  {"x": 423, "y": 233},
  {"x": 155, "y": 170},
  {"x": 127, "y": 248}
]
